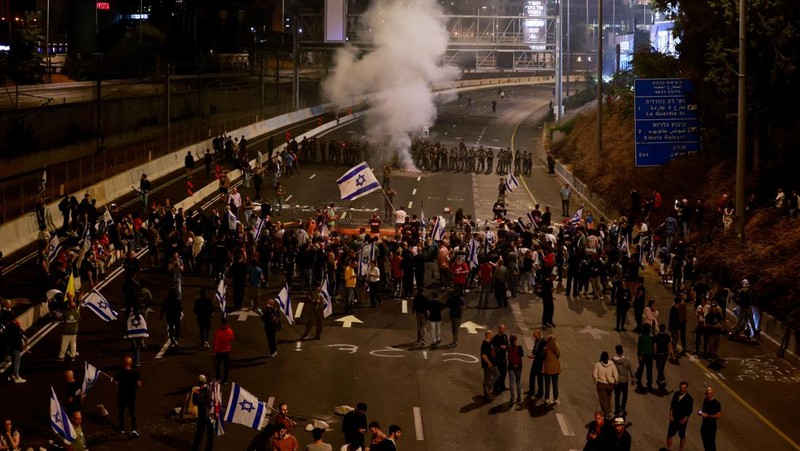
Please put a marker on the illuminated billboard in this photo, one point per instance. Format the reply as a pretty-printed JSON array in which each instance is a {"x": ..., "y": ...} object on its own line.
[{"x": 535, "y": 24}]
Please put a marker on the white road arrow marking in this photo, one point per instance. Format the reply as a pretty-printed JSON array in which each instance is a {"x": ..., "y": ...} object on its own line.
[
  {"x": 596, "y": 333},
  {"x": 243, "y": 314},
  {"x": 348, "y": 320},
  {"x": 350, "y": 349},
  {"x": 472, "y": 327}
]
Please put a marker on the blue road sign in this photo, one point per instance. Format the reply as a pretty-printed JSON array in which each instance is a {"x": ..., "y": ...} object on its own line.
[{"x": 667, "y": 120}]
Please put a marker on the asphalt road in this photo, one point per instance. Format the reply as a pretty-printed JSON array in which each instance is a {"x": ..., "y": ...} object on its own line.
[{"x": 432, "y": 392}]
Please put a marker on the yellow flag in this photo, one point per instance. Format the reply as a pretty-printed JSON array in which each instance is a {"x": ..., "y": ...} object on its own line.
[{"x": 71, "y": 286}]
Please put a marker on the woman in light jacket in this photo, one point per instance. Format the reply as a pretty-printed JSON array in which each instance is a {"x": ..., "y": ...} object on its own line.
[
  {"x": 551, "y": 369},
  {"x": 605, "y": 377}
]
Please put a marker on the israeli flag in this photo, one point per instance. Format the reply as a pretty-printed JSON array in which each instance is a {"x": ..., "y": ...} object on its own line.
[
  {"x": 357, "y": 182},
  {"x": 365, "y": 255},
  {"x": 107, "y": 218},
  {"x": 42, "y": 182},
  {"x": 220, "y": 295},
  {"x": 59, "y": 421},
  {"x": 216, "y": 407},
  {"x": 244, "y": 408},
  {"x": 136, "y": 327},
  {"x": 438, "y": 229},
  {"x": 577, "y": 217},
  {"x": 259, "y": 229},
  {"x": 473, "y": 253},
  {"x": 327, "y": 299},
  {"x": 90, "y": 376},
  {"x": 232, "y": 219},
  {"x": 285, "y": 302},
  {"x": 511, "y": 182},
  {"x": 422, "y": 221},
  {"x": 100, "y": 306},
  {"x": 528, "y": 220},
  {"x": 86, "y": 238},
  {"x": 53, "y": 248}
]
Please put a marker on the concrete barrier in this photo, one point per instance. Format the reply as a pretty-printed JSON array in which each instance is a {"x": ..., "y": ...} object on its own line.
[{"x": 20, "y": 232}]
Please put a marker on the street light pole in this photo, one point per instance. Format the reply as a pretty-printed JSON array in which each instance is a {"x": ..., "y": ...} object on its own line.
[
  {"x": 47, "y": 45},
  {"x": 559, "y": 59},
  {"x": 741, "y": 135},
  {"x": 599, "y": 76}
]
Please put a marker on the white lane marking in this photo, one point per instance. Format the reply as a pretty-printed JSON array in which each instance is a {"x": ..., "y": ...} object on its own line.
[
  {"x": 288, "y": 198},
  {"x": 562, "y": 423},
  {"x": 419, "y": 178},
  {"x": 163, "y": 350},
  {"x": 523, "y": 326},
  {"x": 414, "y": 192},
  {"x": 298, "y": 346},
  {"x": 418, "y": 423},
  {"x": 410, "y": 203},
  {"x": 405, "y": 306},
  {"x": 344, "y": 213},
  {"x": 299, "y": 309},
  {"x": 312, "y": 176}
]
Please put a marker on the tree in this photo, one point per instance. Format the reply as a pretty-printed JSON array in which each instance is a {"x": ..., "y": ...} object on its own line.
[
  {"x": 24, "y": 63},
  {"x": 708, "y": 50}
]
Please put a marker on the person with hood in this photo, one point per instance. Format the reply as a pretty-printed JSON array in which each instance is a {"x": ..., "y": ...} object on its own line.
[{"x": 605, "y": 377}]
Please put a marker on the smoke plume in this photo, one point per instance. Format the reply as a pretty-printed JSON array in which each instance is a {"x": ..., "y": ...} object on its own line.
[{"x": 408, "y": 39}]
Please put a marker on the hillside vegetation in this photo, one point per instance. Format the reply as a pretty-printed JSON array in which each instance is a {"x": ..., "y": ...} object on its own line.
[{"x": 772, "y": 251}]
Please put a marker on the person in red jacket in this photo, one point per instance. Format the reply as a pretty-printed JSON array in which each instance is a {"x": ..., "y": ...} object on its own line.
[
  {"x": 459, "y": 271},
  {"x": 223, "y": 340}
]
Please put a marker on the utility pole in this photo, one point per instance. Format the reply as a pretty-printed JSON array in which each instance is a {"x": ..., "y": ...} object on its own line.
[
  {"x": 599, "y": 76},
  {"x": 559, "y": 60},
  {"x": 741, "y": 122},
  {"x": 296, "y": 58},
  {"x": 167, "y": 107}
]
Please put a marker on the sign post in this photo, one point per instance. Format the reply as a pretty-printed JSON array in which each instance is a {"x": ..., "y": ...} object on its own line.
[{"x": 667, "y": 120}]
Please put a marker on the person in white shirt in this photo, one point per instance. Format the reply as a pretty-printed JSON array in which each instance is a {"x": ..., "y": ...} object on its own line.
[
  {"x": 374, "y": 282},
  {"x": 605, "y": 377},
  {"x": 399, "y": 218},
  {"x": 236, "y": 199}
]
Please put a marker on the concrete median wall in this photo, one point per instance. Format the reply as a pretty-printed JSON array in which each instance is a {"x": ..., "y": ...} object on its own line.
[{"x": 22, "y": 231}]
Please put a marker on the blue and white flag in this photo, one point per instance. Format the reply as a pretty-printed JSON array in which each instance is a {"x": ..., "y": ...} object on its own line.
[
  {"x": 327, "y": 299},
  {"x": 473, "y": 253},
  {"x": 216, "y": 407},
  {"x": 136, "y": 327},
  {"x": 244, "y": 408},
  {"x": 220, "y": 296},
  {"x": 100, "y": 306},
  {"x": 578, "y": 215},
  {"x": 86, "y": 238},
  {"x": 109, "y": 220},
  {"x": 511, "y": 183},
  {"x": 365, "y": 255},
  {"x": 232, "y": 219},
  {"x": 529, "y": 221},
  {"x": 42, "y": 182},
  {"x": 53, "y": 248},
  {"x": 59, "y": 420},
  {"x": 259, "y": 229},
  {"x": 438, "y": 229},
  {"x": 285, "y": 302},
  {"x": 422, "y": 221},
  {"x": 90, "y": 376},
  {"x": 357, "y": 182}
]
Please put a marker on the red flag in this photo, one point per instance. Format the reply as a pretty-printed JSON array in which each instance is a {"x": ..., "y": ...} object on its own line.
[{"x": 189, "y": 187}]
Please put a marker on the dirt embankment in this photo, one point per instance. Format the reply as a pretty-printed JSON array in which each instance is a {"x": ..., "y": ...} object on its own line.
[{"x": 772, "y": 252}]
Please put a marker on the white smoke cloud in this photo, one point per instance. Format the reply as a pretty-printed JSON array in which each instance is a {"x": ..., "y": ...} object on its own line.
[{"x": 409, "y": 39}]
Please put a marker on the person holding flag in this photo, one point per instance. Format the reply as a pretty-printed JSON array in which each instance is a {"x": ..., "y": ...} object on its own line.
[
  {"x": 271, "y": 317},
  {"x": 206, "y": 415},
  {"x": 315, "y": 299},
  {"x": 69, "y": 338}
]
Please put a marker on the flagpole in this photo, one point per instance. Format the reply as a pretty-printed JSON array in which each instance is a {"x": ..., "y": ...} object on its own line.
[{"x": 387, "y": 198}]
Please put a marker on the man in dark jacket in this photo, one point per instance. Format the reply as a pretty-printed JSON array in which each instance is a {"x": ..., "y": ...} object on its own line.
[{"x": 537, "y": 354}]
